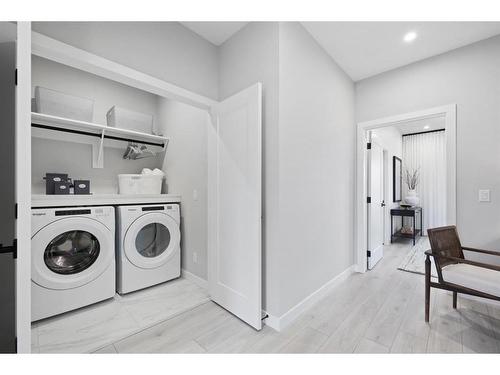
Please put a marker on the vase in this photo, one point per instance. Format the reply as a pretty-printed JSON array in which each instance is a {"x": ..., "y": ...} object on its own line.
[{"x": 412, "y": 198}]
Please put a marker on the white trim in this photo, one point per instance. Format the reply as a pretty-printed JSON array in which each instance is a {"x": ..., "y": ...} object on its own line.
[
  {"x": 63, "y": 53},
  {"x": 23, "y": 189},
  {"x": 202, "y": 283},
  {"x": 279, "y": 323},
  {"x": 449, "y": 111}
]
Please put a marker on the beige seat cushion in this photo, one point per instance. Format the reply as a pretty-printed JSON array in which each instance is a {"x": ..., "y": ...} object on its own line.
[{"x": 473, "y": 277}]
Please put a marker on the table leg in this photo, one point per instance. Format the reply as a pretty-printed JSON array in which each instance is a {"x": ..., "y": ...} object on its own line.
[
  {"x": 413, "y": 227},
  {"x": 421, "y": 225}
]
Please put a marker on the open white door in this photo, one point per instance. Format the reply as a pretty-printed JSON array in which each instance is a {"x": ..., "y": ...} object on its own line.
[
  {"x": 234, "y": 205},
  {"x": 23, "y": 187},
  {"x": 375, "y": 205}
]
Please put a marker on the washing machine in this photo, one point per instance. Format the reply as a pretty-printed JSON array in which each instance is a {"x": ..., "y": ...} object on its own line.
[
  {"x": 147, "y": 246},
  {"x": 72, "y": 259}
]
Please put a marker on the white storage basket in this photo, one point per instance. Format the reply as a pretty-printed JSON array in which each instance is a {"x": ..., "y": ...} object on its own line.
[
  {"x": 56, "y": 103},
  {"x": 139, "y": 184},
  {"x": 126, "y": 119}
]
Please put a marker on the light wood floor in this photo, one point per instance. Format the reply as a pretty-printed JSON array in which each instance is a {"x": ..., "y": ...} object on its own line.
[{"x": 381, "y": 311}]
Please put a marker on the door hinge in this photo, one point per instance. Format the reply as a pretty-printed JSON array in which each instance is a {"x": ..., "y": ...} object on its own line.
[
  {"x": 369, "y": 253},
  {"x": 15, "y": 211},
  {"x": 14, "y": 248},
  {"x": 369, "y": 146},
  {"x": 368, "y": 199},
  {"x": 15, "y": 77},
  {"x": 10, "y": 249},
  {"x": 15, "y": 344}
]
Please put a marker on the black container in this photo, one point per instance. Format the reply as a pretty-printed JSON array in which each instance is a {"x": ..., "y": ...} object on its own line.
[
  {"x": 51, "y": 179},
  {"x": 61, "y": 188},
  {"x": 81, "y": 186}
]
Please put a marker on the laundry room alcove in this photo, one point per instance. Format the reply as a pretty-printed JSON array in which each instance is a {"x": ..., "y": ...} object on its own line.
[{"x": 94, "y": 151}]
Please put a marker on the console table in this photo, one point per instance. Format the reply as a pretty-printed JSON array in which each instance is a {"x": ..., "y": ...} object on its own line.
[{"x": 407, "y": 212}]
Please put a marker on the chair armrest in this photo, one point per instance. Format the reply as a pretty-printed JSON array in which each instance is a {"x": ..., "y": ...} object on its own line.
[
  {"x": 471, "y": 262},
  {"x": 489, "y": 252}
]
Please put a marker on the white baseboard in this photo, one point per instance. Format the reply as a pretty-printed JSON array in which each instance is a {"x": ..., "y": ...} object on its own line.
[
  {"x": 202, "y": 283},
  {"x": 279, "y": 323}
]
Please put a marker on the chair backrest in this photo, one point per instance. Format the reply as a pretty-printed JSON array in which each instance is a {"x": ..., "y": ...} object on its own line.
[{"x": 445, "y": 241}]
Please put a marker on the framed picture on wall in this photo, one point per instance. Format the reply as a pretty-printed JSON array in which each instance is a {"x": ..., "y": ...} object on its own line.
[{"x": 397, "y": 180}]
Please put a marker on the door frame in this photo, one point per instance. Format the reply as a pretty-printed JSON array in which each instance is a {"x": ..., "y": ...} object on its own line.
[
  {"x": 23, "y": 187},
  {"x": 361, "y": 223},
  {"x": 370, "y": 194}
]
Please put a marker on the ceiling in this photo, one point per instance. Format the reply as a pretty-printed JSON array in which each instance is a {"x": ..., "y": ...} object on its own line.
[
  {"x": 364, "y": 49},
  {"x": 417, "y": 126},
  {"x": 215, "y": 32}
]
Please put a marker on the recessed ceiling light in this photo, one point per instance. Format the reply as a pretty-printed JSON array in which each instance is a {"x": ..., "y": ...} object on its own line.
[
  {"x": 426, "y": 127},
  {"x": 410, "y": 36}
]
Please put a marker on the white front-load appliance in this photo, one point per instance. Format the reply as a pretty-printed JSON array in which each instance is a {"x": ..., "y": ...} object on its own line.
[
  {"x": 72, "y": 258},
  {"x": 147, "y": 246}
]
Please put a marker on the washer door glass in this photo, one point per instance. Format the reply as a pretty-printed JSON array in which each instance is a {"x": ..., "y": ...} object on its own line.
[
  {"x": 71, "y": 252},
  {"x": 152, "y": 240}
]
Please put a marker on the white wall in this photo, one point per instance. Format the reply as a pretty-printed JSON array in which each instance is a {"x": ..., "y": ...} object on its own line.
[
  {"x": 308, "y": 131},
  {"x": 316, "y": 166},
  {"x": 166, "y": 50},
  {"x": 74, "y": 158},
  {"x": 251, "y": 56},
  {"x": 391, "y": 140},
  {"x": 186, "y": 169},
  {"x": 469, "y": 77}
]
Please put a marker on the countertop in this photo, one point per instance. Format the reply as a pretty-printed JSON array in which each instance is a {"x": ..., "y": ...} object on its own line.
[{"x": 42, "y": 200}]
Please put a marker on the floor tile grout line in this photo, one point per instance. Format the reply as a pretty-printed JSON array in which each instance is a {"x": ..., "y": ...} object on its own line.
[
  {"x": 142, "y": 329},
  {"x": 145, "y": 328}
]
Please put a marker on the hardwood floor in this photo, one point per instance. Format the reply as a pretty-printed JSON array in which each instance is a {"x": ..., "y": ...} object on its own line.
[{"x": 381, "y": 311}]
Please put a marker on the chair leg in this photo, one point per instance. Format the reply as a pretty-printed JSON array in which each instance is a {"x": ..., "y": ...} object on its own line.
[
  {"x": 455, "y": 300},
  {"x": 427, "y": 288}
]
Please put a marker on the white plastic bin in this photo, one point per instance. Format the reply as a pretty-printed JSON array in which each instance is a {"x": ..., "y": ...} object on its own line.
[
  {"x": 139, "y": 184},
  {"x": 56, "y": 103},
  {"x": 123, "y": 118}
]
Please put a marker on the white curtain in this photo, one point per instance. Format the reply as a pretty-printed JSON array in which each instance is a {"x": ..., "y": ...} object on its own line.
[{"x": 427, "y": 152}]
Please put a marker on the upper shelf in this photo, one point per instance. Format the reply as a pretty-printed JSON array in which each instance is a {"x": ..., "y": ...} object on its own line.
[{"x": 40, "y": 120}]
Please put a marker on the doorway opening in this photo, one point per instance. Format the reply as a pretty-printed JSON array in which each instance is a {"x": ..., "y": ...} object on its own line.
[{"x": 406, "y": 180}]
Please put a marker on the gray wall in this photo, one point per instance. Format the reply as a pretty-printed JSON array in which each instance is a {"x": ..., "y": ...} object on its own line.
[
  {"x": 251, "y": 56},
  {"x": 166, "y": 50},
  {"x": 308, "y": 131},
  {"x": 469, "y": 77},
  {"x": 76, "y": 158},
  {"x": 185, "y": 166},
  {"x": 316, "y": 166}
]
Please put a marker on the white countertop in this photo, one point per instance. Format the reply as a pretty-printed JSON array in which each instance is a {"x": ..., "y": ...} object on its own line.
[{"x": 42, "y": 200}]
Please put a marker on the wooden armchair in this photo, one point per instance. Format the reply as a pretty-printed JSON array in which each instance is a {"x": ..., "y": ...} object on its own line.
[{"x": 455, "y": 273}]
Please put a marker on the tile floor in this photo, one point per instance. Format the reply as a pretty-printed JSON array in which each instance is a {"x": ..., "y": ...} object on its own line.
[{"x": 93, "y": 327}]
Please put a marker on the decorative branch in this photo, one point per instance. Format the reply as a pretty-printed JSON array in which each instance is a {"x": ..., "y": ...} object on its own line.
[{"x": 412, "y": 178}]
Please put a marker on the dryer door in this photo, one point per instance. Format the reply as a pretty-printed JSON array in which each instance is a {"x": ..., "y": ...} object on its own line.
[
  {"x": 151, "y": 240},
  {"x": 71, "y": 252}
]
